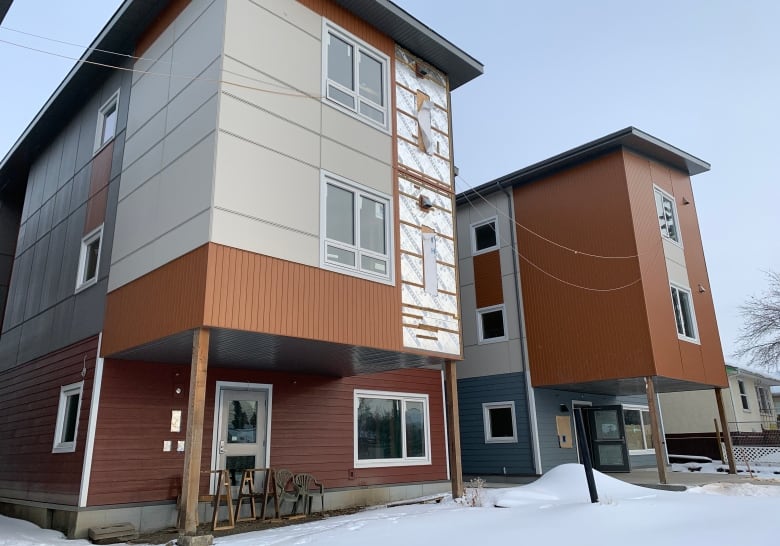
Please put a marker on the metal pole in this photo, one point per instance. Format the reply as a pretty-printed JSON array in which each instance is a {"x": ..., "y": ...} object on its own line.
[{"x": 582, "y": 445}]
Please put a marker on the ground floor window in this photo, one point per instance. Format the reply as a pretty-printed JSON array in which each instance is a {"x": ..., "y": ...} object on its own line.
[
  {"x": 500, "y": 423},
  {"x": 67, "y": 418},
  {"x": 391, "y": 429},
  {"x": 639, "y": 433}
]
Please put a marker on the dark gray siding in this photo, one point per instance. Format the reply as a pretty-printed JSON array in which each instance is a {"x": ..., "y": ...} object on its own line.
[
  {"x": 43, "y": 311},
  {"x": 548, "y": 405},
  {"x": 479, "y": 457}
]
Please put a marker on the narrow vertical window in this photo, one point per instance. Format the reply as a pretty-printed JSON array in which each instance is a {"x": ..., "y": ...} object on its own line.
[
  {"x": 743, "y": 395},
  {"x": 107, "y": 121},
  {"x": 67, "y": 418},
  {"x": 89, "y": 259},
  {"x": 667, "y": 215},
  {"x": 683, "y": 313}
]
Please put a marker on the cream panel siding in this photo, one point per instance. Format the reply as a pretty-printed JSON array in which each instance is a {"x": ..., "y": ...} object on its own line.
[
  {"x": 266, "y": 187},
  {"x": 274, "y": 240},
  {"x": 346, "y": 162},
  {"x": 268, "y": 131},
  {"x": 356, "y": 135},
  {"x": 677, "y": 274},
  {"x": 294, "y": 13},
  {"x": 166, "y": 187},
  {"x": 276, "y": 47},
  {"x": 673, "y": 252}
]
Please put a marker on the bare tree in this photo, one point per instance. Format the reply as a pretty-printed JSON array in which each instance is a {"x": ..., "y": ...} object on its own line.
[{"x": 759, "y": 339}]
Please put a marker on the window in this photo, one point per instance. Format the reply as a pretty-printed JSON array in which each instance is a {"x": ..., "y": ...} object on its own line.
[
  {"x": 500, "y": 424},
  {"x": 491, "y": 324},
  {"x": 356, "y": 76},
  {"x": 89, "y": 259},
  {"x": 667, "y": 215},
  {"x": 67, "y": 418},
  {"x": 356, "y": 230},
  {"x": 391, "y": 429},
  {"x": 639, "y": 433},
  {"x": 743, "y": 395},
  {"x": 764, "y": 405},
  {"x": 106, "y": 123},
  {"x": 484, "y": 236},
  {"x": 683, "y": 313}
]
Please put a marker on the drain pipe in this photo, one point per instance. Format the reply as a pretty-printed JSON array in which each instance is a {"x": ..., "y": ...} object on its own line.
[{"x": 529, "y": 390}]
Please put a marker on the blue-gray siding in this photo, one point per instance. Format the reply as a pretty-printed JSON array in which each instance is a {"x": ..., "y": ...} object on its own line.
[
  {"x": 548, "y": 406},
  {"x": 479, "y": 457},
  {"x": 43, "y": 312}
]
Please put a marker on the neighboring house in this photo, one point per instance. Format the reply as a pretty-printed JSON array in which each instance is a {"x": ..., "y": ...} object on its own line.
[
  {"x": 776, "y": 401},
  {"x": 241, "y": 241},
  {"x": 584, "y": 285},
  {"x": 689, "y": 416}
]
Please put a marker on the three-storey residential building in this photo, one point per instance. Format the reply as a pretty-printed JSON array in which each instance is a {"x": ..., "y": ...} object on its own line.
[
  {"x": 584, "y": 286},
  {"x": 234, "y": 248}
]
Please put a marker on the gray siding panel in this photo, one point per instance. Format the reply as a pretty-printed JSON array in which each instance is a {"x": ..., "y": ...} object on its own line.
[
  {"x": 485, "y": 459},
  {"x": 548, "y": 402},
  {"x": 44, "y": 313}
]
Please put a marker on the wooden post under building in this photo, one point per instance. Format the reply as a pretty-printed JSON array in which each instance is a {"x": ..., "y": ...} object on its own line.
[
  {"x": 659, "y": 442},
  {"x": 724, "y": 424},
  {"x": 188, "y": 510},
  {"x": 453, "y": 428}
]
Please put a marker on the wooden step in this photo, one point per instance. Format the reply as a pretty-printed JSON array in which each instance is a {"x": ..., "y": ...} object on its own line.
[{"x": 111, "y": 534}]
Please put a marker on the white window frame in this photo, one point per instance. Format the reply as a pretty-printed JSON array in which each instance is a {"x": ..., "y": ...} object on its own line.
[
  {"x": 358, "y": 190},
  {"x": 358, "y": 46},
  {"x": 481, "y": 331},
  {"x": 403, "y": 397},
  {"x": 489, "y": 438},
  {"x": 65, "y": 392},
  {"x": 474, "y": 226},
  {"x": 641, "y": 409},
  {"x": 112, "y": 102},
  {"x": 664, "y": 194},
  {"x": 695, "y": 325},
  {"x": 89, "y": 238},
  {"x": 743, "y": 396}
]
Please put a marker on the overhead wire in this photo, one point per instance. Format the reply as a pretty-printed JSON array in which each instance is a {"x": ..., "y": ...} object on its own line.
[
  {"x": 303, "y": 94},
  {"x": 530, "y": 262}
]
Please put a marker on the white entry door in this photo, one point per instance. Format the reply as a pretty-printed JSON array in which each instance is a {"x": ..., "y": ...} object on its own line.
[{"x": 241, "y": 438}]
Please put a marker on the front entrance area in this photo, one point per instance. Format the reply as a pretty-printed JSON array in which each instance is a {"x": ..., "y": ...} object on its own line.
[
  {"x": 605, "y": 429},
  {"x": 242, "y": 426}
]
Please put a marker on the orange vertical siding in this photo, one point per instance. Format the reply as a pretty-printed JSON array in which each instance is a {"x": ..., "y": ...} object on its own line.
[
  {"x": 98, "y": 188},
  {"x": 162, "y": 22},
  {"x": 487, "y": 279},
  {"x": 578, "y": 335},
  {"x": 353, "y": 24}
]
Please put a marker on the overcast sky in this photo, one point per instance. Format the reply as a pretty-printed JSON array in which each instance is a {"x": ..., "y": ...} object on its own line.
[{"x": 702, "y": 75}]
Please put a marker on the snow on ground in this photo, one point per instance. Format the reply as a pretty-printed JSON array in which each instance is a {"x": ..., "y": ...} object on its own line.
[
  {"x": 555, "y": 509},
  {"x": 762, "y": 471}
]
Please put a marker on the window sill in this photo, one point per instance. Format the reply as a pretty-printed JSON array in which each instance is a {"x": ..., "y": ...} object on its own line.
[
  {"x": 85, "y": 285},
  {"x": 102, "y": 146},
  {"x": 64, "y": 448},
  {"x": 484, "y": 250},
  {"x": 501, "y": 441},
  {"x": 492, "y": 340},
  {"x": 689, "y": 339},
  {"x": 380, "y": 463},
  {"x": 359, "y": 274}
]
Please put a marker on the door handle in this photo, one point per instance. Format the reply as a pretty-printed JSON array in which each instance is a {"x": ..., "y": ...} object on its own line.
[{"x": 222, "y": 447}]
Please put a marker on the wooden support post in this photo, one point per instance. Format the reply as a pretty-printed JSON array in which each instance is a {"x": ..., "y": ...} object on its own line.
[
  {"x": 659, "y": 442},
  {"x": 188, "y": 511},
  {"x": 453, "y": 428},
  {"x": 724, "y": 424}
]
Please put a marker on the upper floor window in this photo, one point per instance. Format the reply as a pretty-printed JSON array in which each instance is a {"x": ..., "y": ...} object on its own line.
[
  {"x": 67, "y": 418},
  {"x": 683, "y": 313},
  {"x": 743, "y": 395},
  {"x": 667, "y": 215},
  {"x": 106, "y": 123},
  {"x": 356, "y": 76},
  {"x": 391, "y": 429},
  {"x": 491, "y": 324},
  {"x": 484, "y": 236},
  {"x": 89, "y": 259},
  {"x": 356, "y": 229}
]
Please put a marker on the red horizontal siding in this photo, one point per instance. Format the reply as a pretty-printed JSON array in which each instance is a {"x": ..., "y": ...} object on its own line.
[
  {"x": 311, "y": 429},
  {"x": 29, "y": 399}
]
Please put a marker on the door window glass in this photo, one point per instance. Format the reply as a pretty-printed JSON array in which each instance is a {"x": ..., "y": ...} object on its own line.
[{"x": 242, "y": 422}]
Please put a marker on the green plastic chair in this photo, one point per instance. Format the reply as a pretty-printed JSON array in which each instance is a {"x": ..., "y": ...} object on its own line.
[{"x": 307, "y": 488}]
